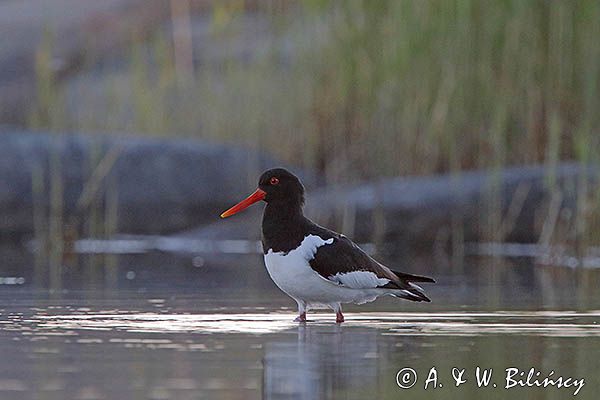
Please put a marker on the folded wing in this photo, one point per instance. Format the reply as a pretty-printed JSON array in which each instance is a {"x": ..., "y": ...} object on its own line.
[{"x": 344, "y": 263}]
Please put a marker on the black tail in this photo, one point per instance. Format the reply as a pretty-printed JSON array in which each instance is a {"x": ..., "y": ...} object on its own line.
[
  {"x": 410, "y": 290},
  {"x": 413, "y": 278}
]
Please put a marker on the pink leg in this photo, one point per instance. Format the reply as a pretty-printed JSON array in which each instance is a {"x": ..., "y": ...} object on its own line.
[
  {"x": 301, "y": 311},
  {"x": 301, "y": 317},
  {"x": 339, "y": 317}
]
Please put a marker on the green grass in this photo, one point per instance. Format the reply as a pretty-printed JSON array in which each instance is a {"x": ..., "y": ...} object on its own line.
[
  {"x": 445, "y": 85},
  {"x": 373, "y": 88}
]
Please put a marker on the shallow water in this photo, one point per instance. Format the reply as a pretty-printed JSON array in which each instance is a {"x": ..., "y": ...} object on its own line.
[
  {"x": 173, "y": 345},
  {"x": 172, "y": 327}
]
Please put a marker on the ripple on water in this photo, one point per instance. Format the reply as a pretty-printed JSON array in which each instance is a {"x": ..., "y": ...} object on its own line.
[{"x": 532, "y": 323}]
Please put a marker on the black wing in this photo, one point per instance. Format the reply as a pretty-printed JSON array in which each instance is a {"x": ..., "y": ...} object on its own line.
[{"x": 344, "y": 263}]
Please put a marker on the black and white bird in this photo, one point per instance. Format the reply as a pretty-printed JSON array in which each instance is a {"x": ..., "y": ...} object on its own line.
[{"x": 313, "y": 265}]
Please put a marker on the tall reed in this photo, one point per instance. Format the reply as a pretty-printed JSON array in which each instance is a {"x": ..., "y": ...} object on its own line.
[{"x": 363, "y": 89}]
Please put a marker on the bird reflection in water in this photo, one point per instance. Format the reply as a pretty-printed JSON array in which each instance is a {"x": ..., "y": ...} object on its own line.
[{"x": 320, "y": 361}]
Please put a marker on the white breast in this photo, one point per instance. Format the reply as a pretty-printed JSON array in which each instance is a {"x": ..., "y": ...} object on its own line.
[{"x": 292, "y": 273}]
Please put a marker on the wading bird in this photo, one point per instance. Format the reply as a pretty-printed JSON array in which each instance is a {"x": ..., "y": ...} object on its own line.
[{"x": 313, "y": 265}]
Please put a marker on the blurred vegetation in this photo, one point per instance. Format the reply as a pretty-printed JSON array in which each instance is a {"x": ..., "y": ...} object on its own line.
[
  {"x": 373, "y": 87},
  {"x": 363, "y": 89}
]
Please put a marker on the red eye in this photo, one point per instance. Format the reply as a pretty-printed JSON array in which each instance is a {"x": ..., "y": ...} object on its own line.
[{"x": 274, "y": 181}]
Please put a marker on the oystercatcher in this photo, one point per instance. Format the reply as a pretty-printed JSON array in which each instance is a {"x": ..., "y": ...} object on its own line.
[{"x": 313, "y": 265}]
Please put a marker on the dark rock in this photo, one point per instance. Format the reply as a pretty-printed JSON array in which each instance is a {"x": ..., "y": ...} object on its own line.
[
  {"x": 511, "y": 204},
  {"x": 161, "y": 185},
  {"x": 404, "y": 214}
]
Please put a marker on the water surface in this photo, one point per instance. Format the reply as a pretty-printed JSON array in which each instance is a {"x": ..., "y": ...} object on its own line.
[{"x": 173, "y": 330}]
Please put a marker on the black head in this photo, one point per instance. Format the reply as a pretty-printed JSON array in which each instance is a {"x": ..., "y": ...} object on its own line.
[{"x": 281, "y": 186}]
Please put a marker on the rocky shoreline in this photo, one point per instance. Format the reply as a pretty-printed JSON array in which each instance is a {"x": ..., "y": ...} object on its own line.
[
  {"x": 159, "y": 185},
  {"x": 179, "y": 187}
]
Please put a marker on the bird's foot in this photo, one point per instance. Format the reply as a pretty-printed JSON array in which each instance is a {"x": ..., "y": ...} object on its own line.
[
  {"x": 301, "y": 318},
  {"x": 339, "y": 317}
]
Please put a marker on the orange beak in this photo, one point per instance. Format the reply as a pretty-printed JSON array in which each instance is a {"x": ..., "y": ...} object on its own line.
[{"x": 258, "y": 195}]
